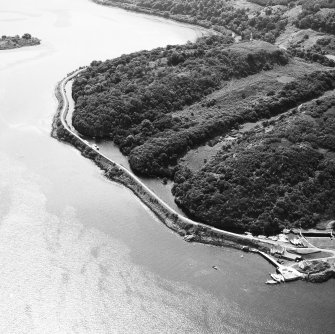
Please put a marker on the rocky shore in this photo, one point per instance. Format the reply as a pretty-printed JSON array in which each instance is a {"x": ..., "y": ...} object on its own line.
[
  {"x": 322, "y": 276},
  {"x": 317, "y": 271}
]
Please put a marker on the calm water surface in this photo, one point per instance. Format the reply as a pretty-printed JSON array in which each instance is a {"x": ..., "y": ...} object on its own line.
[{"x": 79, "y": 254}]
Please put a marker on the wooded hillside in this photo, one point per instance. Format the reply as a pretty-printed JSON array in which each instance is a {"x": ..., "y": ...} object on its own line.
[
  {"x": 131, "y": 99},
  {"x": 281, "y": 174}
]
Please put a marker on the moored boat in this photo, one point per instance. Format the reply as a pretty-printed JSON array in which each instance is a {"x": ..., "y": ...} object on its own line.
[{"x": 277, "y": 277}]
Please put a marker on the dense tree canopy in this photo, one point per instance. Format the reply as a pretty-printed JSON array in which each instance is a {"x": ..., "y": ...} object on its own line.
[
  {"x": 146, "y": 159},
  {"x": 132, "y": 98},
  {"x": 315, "y": 19}
]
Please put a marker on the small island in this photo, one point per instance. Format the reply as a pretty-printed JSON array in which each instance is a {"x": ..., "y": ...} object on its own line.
[{"x": 14, "y": 42}]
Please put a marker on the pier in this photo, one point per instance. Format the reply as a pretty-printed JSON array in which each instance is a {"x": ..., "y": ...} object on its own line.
[
  {"x": 267, "y": 257},
  {"x": 289, "y": 273}
]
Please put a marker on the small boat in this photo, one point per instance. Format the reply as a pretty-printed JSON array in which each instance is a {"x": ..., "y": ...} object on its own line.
[
  {"x": 277, "y": 277},
  {"x": 271, "y": 281},
  {"x": 96, "y": 147},
  {"x": 215, "y": 267}
]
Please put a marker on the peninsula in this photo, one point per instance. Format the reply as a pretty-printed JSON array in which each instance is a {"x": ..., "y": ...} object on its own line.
[{"x": 243, "y": 129}]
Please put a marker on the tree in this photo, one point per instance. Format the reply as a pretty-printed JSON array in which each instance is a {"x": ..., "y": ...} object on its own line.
[
  {"x": 269, "y": 37},
  {"x": 26, "y": 36}
]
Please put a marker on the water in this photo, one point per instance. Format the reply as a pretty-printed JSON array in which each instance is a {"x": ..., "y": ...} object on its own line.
[{"x": 80, "y": 254}]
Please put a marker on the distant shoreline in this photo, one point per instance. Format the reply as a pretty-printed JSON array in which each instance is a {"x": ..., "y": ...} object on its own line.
[{"x": 157, "y": 14}]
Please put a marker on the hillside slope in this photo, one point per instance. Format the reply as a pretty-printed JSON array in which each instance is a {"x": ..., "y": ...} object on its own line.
[{"x": 280, "y": 174}]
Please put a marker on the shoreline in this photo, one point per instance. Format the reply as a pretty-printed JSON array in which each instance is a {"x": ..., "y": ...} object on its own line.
[
  {"x": 160, "y": 15},
  {"x": 190, "y": 230},
  {"x": 185, "y": 227}
]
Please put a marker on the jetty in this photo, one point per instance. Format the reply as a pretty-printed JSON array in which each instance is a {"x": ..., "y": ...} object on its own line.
[
  {"x": 269, "y": 258},
  {"x": 289, "y": 274}
]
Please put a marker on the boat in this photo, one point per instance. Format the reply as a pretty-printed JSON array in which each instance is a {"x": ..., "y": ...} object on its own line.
[
  {"x": 96, "y": 147},
  {"x": 277, "y": 277},
  {"x": 271, "y": 281},
  {"x": 296, "y": 242}
]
